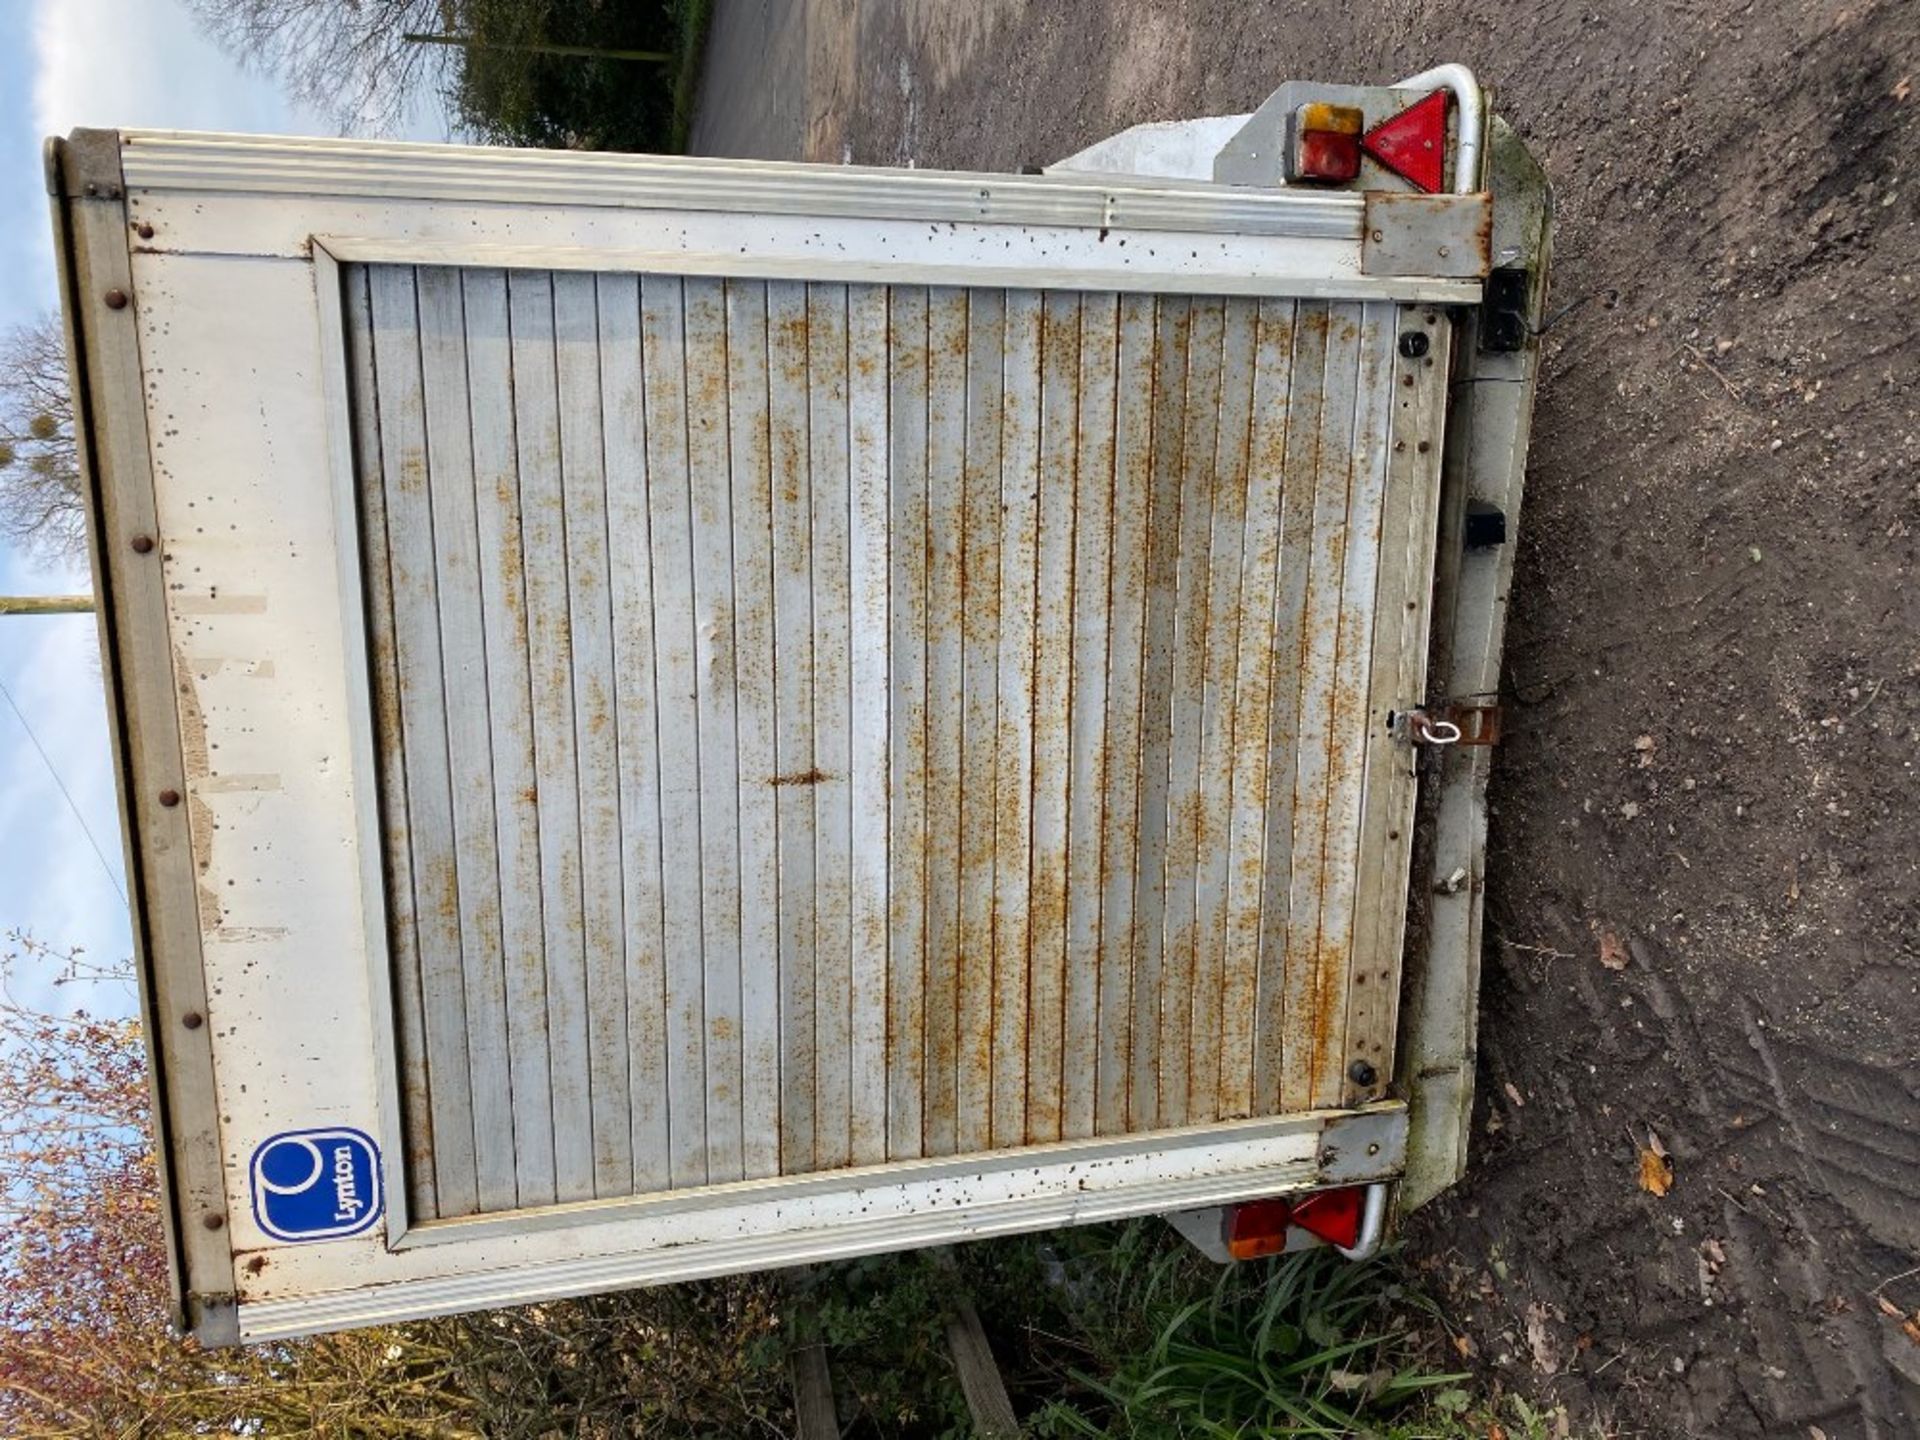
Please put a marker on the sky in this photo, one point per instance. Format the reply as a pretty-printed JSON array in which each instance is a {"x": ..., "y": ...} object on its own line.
[{"x": 66, "y": 63}]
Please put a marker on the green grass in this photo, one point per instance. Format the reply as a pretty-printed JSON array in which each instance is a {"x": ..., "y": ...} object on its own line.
[
  {"x": 1124, "y": 1332},
  {"x": 1306, "y": 1344}
]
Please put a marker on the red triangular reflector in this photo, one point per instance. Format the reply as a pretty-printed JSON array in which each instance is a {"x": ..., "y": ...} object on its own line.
[
  {"x": 1332, "y": 1215},
  {"x": 1413, "y": 144}
]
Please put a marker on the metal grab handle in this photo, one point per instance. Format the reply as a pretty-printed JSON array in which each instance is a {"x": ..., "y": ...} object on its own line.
[
  {"x": 1373, "y": 1225},
  {"x": 1473, "y": 118}
]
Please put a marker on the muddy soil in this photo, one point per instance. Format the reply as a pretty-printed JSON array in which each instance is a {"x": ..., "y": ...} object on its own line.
[{"x": 1713, "y": 678}]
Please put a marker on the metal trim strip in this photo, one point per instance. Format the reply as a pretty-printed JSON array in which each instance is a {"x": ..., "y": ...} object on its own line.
[
  {"x": 1488, "y": 429},
  {"x": 1347, "y": 1148},
  {"x": 94, "y": 262},
  {"x": 176, "y": 160},
  {"x": 984, "y": 269},
  {"x": 1064, "y": 1156},
  {"x": 343, "y": 470}
]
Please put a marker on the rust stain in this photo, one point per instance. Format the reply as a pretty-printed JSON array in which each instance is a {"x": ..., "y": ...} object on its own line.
[
  {"x": 412, "y": 479},
  {"x": 815, "y": 776},
  {"x": 1327, "y": 1022},
  {"x": 509, "y": 556},
  {"x": 439, "y": 892},
  {"x": 195, "y": 759},
  {"x": 792, "y": 330}
]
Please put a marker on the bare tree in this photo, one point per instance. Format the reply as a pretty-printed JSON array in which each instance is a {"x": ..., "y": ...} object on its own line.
[
  {"x": 348, "y": 59},
  {"x": 40, "y": 500}
]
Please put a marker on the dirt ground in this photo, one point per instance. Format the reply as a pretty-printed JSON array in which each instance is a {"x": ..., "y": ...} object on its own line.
[{"x": 1711, "y": 680}]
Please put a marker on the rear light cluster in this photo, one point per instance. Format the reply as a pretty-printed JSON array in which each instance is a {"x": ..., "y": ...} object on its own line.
[
  {"x": 1325, "y": 143},
  {"x": 1260, "y": 1227}
]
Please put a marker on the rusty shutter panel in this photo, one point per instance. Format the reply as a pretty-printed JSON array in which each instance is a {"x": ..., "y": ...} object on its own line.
[{"x": 825, "y": 725}]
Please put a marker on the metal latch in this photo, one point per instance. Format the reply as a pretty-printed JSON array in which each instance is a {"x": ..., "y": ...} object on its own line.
[{"x": 1470, "y": 724}]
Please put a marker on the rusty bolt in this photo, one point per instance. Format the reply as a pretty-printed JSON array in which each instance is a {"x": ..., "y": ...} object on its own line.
[
  {"x": 214, "y": 1222},
  {"x": 1424, "y": 446},
  {"x": 144, "y": 230},
  {"x": 1414, "y": 344},
  {"x": 1362, "y": 1073},
  {"x": 116, "y": 298},
  {"x": 193, "y": 1020},
  {"x": 142, "y": 544},
  {"x": 169, "y": 798}
]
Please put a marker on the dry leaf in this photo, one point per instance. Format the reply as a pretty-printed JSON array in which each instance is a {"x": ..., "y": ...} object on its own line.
[
  {"x": 1656, "y": 1170},
  {"x": 1545, "y": 1358},
  {"x": 1910, "y": 1327},
  {"x": 1712, "y": 1253},
  {"x": 1464, "y": 1344},
  {"x": 1903, "y": 87},
  {"x": 1513, "y": 1094},
  {"x": 1889, "y": 1309},
  {"x": 1613, "y": 954},
  {"x": 1814, "y": 1432},
  {"x": 1496, "y": 1431}
]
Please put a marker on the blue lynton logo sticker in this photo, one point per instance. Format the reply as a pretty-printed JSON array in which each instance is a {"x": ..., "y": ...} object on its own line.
[{"x": 316, "y": 1184}]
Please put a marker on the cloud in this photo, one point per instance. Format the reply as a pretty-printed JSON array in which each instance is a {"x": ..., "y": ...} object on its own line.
[
  {"x": 145, "y": 63},
  {"x": 133, "y": 64}
]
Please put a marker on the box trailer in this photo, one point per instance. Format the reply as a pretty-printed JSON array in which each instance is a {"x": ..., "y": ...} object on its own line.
[{"x": 678, "y": 716}]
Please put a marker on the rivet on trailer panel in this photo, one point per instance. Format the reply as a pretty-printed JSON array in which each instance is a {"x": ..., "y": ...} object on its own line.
[{"x": 116, "y": 298}]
